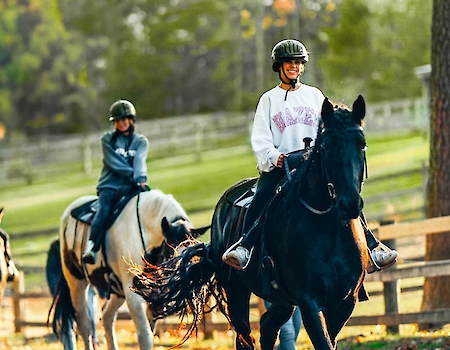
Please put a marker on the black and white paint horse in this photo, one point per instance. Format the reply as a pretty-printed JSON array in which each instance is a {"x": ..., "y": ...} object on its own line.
[{"x": 149, "y": 226}]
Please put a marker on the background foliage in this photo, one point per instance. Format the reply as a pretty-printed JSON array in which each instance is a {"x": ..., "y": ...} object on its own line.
[{"x": 62, "y": 63}]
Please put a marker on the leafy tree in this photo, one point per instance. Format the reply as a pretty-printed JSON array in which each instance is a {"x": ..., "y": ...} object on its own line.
[
  {"x": 375, "y": 48},
  {"x": 43, "y": 73},
  {"x": 63, "y": 64},
  {"x": 162, "y": 55}
]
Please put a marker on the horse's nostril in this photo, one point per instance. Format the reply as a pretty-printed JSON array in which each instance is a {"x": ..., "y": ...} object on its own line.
[{"x": 349, "y": 209}]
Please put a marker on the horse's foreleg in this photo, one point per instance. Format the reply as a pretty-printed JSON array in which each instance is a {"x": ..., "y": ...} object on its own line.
[
  {"x": 239, "y": 308},
  {"x": 109, "y": 314},
  {"x": 271, "y": 321},
  {"x": 138, "y": 311},
  {"x": 337, "y": 318},
  {"x": 316, "y": 326}
]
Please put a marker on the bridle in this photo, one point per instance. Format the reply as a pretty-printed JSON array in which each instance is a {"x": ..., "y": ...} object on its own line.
[{"x": 326, "y": 175}]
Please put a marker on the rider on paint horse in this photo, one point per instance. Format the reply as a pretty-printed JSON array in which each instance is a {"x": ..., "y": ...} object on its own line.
[{"x": 124, "y": 170}]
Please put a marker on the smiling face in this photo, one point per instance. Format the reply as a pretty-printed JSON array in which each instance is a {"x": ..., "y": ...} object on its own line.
[
  {"x": 291, "y": 70},
  {"x": 122, "y": 124}
]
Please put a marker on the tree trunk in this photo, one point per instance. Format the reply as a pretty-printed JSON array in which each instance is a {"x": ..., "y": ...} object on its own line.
[{"x": 436, "y": 290}]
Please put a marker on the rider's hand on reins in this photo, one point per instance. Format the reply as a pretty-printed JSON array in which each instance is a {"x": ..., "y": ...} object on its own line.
[{"x": 280, "y": 161}]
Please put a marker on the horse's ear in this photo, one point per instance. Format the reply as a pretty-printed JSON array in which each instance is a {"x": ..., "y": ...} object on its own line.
[
  {"x": 327, "y": 110},
  {"x": 165, "y": 226},
  {"x": 359, "y": 109},
  {"x": 2, "y": 212},
  {"x": 197, "y": 232}
]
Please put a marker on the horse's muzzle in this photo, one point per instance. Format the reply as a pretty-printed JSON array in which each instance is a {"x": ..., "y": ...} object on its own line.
[{"x": 350, "y": 209}]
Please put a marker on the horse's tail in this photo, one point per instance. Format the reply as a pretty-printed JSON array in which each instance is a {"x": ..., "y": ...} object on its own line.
[
  {"x": 64, "y": 316},
  {"x": 180, "y": 285}
]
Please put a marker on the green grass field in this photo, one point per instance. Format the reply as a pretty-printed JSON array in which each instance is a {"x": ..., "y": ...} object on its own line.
[{"x": 197, "y": 183}]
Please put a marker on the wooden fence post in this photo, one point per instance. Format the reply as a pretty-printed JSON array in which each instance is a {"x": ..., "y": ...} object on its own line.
[
  {"x": 391, "y": 290},
  {"x": 18, "y": 288}
]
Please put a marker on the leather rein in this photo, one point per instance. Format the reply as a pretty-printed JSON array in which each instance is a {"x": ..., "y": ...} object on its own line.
[{"x": 326, "y": 175}]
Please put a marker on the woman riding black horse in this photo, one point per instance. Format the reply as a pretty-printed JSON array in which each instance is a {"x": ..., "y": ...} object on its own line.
[
  {"x": 286, "y": 116},
  {"x": 311, "y": 252}
]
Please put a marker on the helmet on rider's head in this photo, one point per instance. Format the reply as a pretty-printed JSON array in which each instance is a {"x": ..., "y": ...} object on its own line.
[
  {"x": 287, "y": 50},
  {"x": 122, "y": 109}
]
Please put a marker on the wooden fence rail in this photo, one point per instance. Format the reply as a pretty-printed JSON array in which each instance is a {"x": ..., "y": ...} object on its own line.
[
  {"x": 388, "y": 277},
  {"x": 391, "y": 276}
]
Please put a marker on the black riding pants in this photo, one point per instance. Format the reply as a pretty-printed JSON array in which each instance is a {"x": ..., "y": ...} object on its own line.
[
  {"x": 106, "y": 199},
  {"x": 265, "y": 189}
]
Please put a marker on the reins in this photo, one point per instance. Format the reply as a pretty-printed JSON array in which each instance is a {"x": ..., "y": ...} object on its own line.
[
  {"x": 326, "y": 175},
  {"x": 139, "y": 221}
]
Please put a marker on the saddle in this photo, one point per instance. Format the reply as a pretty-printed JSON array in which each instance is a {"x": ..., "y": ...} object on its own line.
[
  {"x": 239, "y": 197},
  {"x": 86, "y": 212}
]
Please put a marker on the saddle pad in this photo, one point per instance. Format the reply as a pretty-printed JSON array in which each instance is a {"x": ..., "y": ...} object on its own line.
[{"x": 85, "y": 212}]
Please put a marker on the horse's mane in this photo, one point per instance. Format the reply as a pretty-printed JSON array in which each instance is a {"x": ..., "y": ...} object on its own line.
[
  {"x": 166, "y": 203},
  {"x": 342, "y": 108}
]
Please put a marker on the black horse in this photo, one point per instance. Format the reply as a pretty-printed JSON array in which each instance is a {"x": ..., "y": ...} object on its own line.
[{"x": 312, "y": 252}]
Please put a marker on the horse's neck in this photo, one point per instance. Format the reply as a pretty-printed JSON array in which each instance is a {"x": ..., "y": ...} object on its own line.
[
  {"x": 156, "y": 205},
  {"x": 314, "y": 186}
]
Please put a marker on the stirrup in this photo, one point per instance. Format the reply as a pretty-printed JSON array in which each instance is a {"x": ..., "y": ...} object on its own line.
[
  {"x": 232, "y": 247},
  {"x": 373, "y": 266},
  {"x": 89, "y": 256}
]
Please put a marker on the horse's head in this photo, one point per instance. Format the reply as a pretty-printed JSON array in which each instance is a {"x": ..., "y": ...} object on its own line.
[
  {"x": 180, "y": 230},
  {"x": 342, "y": 146}
]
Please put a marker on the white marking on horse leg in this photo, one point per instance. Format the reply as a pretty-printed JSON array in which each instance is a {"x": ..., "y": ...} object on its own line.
[
  {"x": 78, "y": 294},
  {"x": 138, "y": 312}
]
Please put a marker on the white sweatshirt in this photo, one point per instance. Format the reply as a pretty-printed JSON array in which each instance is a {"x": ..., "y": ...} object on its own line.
[{"x": 280, "y": 126}]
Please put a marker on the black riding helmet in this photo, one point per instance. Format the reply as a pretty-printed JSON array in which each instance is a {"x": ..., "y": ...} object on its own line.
[
  {"x": 287, "y": 50},
  {"x": 122, "y": 109}
]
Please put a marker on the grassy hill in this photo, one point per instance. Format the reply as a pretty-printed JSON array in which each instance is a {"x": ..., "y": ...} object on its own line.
[{"x": 197, "y": 182}]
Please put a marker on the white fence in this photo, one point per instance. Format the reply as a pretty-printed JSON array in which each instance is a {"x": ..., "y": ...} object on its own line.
[
  {"x": 411, "y": 114},
  {"x": 22, "y": 159}
]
